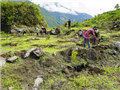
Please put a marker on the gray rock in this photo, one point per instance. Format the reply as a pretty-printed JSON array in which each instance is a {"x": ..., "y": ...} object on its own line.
[
  {"x": 12, "y": 59},
  {"x": 117, "y": 45},
  {"x": 2, "y": 62},
  {"x": 27, "y": 54},
  {"x": 10, "y": 88},
  {"x": 114, "y": 52},
  {"x": 38, "y": 52},
  {"x": 37, "y": 82}
]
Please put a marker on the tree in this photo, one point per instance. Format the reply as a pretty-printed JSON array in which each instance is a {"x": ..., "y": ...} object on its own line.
[{"x": 117, "y": 6}]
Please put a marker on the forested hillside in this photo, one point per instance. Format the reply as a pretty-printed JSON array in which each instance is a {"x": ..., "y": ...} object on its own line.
[
  {"x": 50, "y": 18},
  {"x": 108, "y": 20},
  {"x": 20, "y": 13}
]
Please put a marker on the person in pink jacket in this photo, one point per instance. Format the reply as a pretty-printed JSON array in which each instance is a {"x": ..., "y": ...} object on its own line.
[{"x": 87, "y": 34}]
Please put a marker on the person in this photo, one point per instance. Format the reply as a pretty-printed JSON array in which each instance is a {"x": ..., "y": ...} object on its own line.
[
  {"x": 37, "y": 31},
  {"x": 76, "y": 36},
  {"x": 18, "y": 31},
  {"x": 44, "y": 30},
  {"x": 86, "y": 36},
  {"x": 97, "y": 34},
  {"x": 69, "y": 23},
  {"x": 80, "y": 33},
  {"x": 24, "y": 31}
]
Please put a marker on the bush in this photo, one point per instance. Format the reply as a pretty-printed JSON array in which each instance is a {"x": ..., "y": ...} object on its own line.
[{"x": 20, "y": 13}]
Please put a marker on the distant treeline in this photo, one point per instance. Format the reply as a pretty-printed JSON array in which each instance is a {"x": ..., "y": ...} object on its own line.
[{"x": 20, "y": 13}]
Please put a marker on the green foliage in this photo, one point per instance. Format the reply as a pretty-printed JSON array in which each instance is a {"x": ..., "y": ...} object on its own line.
[
  {"x": 20, "y": 13},
  {"x": 74, "y": 54},
  {"x": 12, "y": 80},
  {"x": 117, "y": 6},
  {"x": 48, "y": 37}
]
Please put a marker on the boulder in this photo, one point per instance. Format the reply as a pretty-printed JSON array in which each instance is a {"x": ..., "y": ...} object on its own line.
[
  {"x": 117, "y": 45},
  {"x": 38, "y": 52},
  {"x": 27, "y": 54},
  {"x": 10, "y": 88},
  {"x": 12, "y": 59},
  {"x": 37, "y": 82},
  {"x": 66, "y": 71},
  {"x": 55, "y": 32},
  {"x": 2, "y": 62},
  {"x": 52, "y": 32}
]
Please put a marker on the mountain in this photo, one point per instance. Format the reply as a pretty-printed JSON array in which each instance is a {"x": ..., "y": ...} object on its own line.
[
  {"x": 65, "y": 16},
  {"x": 55, "y": 18}
]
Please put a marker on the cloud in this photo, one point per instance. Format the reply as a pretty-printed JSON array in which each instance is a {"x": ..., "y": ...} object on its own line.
[{"x": 92, "y": 7}]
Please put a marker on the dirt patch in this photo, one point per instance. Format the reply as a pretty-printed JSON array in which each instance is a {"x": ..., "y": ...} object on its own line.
[
  {"x": 78, "y": 44},
  {"x": 59, "y": 41},
  {"x": 68, "y": 32},
  {"x": 79, "y": 68},
  {"x": 59, "y": 47},
  {"x": 103, "y": 47},
  {"x": 44, "y": 45},
  {"x": 9, "y": 44},
  {"x": 6, "y": 55},
  {"x": 91, "y": 70},
  {"x": 83, "y": 53},
  {"x": 32, "y": 39}
]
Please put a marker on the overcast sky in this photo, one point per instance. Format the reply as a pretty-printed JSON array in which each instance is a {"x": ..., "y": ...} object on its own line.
[{"x": 92, "y": 7}]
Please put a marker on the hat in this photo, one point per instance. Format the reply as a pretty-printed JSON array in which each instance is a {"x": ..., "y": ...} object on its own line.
[{"x": 95, "y": 27}]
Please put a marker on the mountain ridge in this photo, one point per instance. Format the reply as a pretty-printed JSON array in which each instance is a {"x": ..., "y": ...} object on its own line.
[{"x": 60, "y": 18}]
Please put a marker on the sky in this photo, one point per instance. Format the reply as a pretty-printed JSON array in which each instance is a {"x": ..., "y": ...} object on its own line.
[{"x": 92, "y": 7}]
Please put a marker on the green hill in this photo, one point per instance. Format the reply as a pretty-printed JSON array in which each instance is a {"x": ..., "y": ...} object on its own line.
[
  {"x": 108, "y": 20},
  {"x": 50, "y": 18}
]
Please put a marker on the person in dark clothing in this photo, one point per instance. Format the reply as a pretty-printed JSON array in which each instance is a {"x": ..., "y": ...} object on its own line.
[
  {"x": 44, "y": 30},
  {"x": 24, "y": 31},
  {"x": 37, "y": 31},
  {"x": 69, "y": 23},
  {"x": 18, "y": 31}
]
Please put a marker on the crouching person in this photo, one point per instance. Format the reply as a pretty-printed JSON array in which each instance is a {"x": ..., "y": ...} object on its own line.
[{"x": 87, "y": 34}]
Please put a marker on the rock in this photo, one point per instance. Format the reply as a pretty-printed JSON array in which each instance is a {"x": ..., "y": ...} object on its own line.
[
  {"x": 54, "y": 54},
  {"x": 114, "y": 52},
  {"x": 10, "y": 88},
  {"x": 38, "y": 52},
  {"x": 66, "y": 71},
  {"x": 37, "y": 82},
  {"x": 27, "y": 54},
  {"x": 55, "y": 32},
  {"x": 2, "y": 62},
  {"x": 52, "y": 32},
  {"x": 13, "y": 31},
  {"x": 12, "y": 59},
  {"x": 117, "y": 45},
  {"x": 117, "y": 65},
  {"x": 34, "y": 89}
]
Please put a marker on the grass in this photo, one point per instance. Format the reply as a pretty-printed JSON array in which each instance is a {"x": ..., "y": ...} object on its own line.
[
  {"x": 25, "y": 43},
  {"x": 110, "y": 79}
]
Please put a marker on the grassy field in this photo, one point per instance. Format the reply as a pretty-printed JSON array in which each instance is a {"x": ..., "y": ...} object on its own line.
[{"x": 22, "y": 73}]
